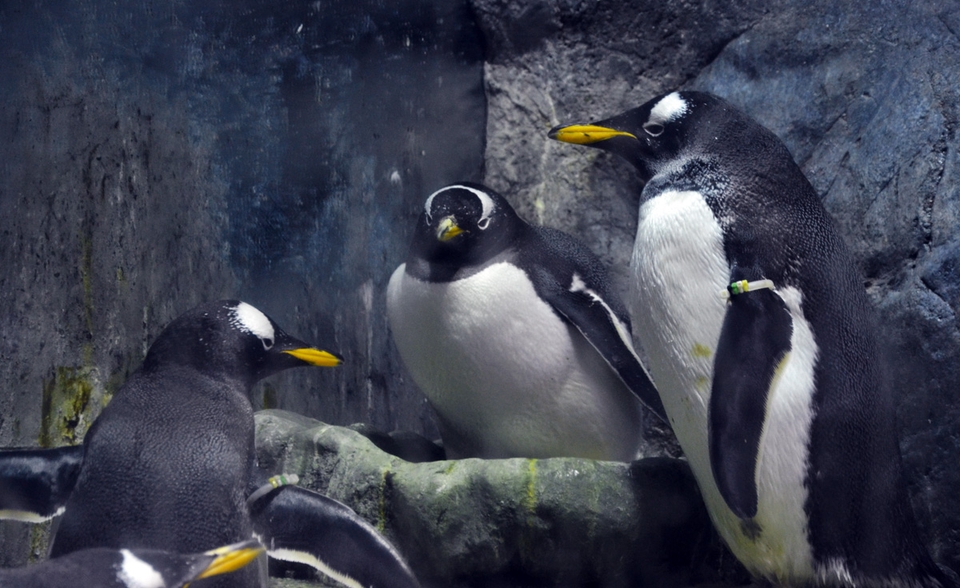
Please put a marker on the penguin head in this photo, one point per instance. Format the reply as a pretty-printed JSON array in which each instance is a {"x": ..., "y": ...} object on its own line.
[
  {"x": 464, "y": 224},
  {"x": 233, "y": 339},
  {"x": 652, "y": 135},
  {"x": 148, "y": 567},
  {"x": 103, "y": 567}
]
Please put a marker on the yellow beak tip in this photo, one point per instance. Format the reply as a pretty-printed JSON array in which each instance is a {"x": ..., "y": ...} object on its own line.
[
  {"x": 316, "y": 357},
  {"x": 449, "y": 234},
  {"x": 230, "y": 559},
  {"x": 585, "y": 134},
  {"x": 448, "y": 229}
]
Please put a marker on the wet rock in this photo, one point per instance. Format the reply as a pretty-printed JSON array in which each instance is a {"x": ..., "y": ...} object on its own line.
[
  {"x": 557, "y": 522},
  {"x": 276, "y": 153}
]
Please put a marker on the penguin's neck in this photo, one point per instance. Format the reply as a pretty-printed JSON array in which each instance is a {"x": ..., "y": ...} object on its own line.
[{"x": 451, "y": 270}]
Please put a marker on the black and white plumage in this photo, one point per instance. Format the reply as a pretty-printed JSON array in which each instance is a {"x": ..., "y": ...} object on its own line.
[
  {"x": 776, "y": 394},
  {"x": 103, "y": 567},
  {"x": 170, "y": 463},
  {"x": 514, "y": 335}
]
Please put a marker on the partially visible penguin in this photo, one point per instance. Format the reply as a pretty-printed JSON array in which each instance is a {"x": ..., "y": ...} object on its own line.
[
  {"x": 170, "y": 463},
  {"x": 514, "y": 335},
  {"x": 762, "y": 342},
  {"x": 124, "y": 568}
]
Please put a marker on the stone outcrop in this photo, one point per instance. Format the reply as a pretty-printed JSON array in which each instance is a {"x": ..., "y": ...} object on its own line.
[{"x": 473, "y": 522}]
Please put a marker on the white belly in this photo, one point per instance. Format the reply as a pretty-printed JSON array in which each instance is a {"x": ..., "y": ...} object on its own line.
[
  {"x": 507, "y": 377},
  {"x": 680, "y": 269}
]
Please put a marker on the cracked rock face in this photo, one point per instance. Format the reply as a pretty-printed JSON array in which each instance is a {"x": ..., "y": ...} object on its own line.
[
  {"x": 473, "y": 522},
  {"x": 866, "y": 98}
]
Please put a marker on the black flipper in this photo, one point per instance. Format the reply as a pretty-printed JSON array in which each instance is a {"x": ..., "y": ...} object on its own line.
[
  {"x": 754, "y": 341},
  {"x": 35, "y": 483},
  {"x": 591, "y": 315},
  {"x": 579, "y": 292},
  {"x": 302, "y": 526}
]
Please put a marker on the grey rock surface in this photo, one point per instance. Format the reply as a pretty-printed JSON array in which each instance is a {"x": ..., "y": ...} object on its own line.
[
  {"x": 153, "y": 158},
  {"x": 515, "y": 522},
  {"x": 279, "y": 153},
  {"x": 866, "y": 97}
]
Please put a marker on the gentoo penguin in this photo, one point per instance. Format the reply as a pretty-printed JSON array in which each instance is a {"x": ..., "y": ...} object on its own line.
[
  {"x": 762, "y": 342},
  {"x": 103, "y": 567},
  {"x": 170, "y": 462},
  {"x": 514, "y": 335}
]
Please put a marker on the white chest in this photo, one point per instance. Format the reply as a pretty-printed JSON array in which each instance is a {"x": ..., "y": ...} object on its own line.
[
  {"x": 680, "y": 269},
  {"x": 505, "y": 374}
]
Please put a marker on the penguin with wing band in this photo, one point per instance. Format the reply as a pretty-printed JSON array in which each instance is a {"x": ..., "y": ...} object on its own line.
[{"x": 762, "y": 342}]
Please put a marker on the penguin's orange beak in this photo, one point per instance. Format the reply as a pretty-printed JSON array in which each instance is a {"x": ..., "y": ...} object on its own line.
[
  {"x": 315, "y": 357},
  {"x": 231, "y": 558},
  {"x": 448, "y": 229},
  {"x": 585, "y": 134}
]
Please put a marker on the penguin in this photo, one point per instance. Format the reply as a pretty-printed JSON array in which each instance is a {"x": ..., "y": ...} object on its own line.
[
  {"x": 130, "y": 568},
  {"x": 762, "y": 341},
  {"x": 170, "y": 462},
  {"x": 515, "y": 336}
]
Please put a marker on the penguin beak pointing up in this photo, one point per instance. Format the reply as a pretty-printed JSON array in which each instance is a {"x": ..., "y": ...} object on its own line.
[
  {"x": 315, "y": 357},
  {"x": 585, "y": 134},
  {"x": 448, "y": 229}
]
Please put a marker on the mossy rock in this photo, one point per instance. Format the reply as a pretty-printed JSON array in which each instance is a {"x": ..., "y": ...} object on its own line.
[{"x": 522, "y": 522}]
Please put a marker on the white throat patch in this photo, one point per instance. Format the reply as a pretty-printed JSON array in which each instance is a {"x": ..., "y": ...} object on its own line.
[
  {"x": 670, "y": 107},
  {"x": 250, "y": 320},
  {"x": 485, "y": 201},
  {"x": 136, "y": 573}
]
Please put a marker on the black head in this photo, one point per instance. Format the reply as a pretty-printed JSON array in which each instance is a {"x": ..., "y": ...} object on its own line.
[
  {"x": 462, "y": 225},
  {"x": 664, "y": 129},
  {"x": 231, "y": 339}
]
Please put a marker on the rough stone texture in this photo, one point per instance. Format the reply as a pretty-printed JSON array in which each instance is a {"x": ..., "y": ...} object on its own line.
[
  {"x": 104, "y": 240},
  {"x": 864, "y": 94},
  {"x": 155, "y": 155},
  {"x": 556, "y": 522}
]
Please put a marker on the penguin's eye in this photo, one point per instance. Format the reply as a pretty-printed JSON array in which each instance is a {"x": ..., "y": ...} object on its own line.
[
  {"x": 484, "y": 223},
  {"x": 267, "y": 343},
  {"x": 653, "y": 129}
]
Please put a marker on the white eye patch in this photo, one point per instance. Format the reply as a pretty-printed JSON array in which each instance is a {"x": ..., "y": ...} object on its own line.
[
  {"x": 486, "y": 203},
  {"x": 250, "y": 320},
  {"x": 670, "y": 107}
]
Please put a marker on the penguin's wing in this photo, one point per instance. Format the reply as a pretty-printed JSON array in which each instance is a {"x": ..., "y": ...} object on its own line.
[
  {"x": 35, "y": 483},
  {"x": 577, "y": 291},
  {"x": 302, "y": 526},
  {"x": 753, "y": 347}
]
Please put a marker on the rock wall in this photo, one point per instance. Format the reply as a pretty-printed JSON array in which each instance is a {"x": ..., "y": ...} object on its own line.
[
  {"x": 865, "y": 95},
  {"x": 155, "y": 155}
]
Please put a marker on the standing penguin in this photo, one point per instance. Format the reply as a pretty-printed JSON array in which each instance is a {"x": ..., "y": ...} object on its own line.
[
  {"x": 513, "y": 334},
  {"x": 762, "y": 342},
  {"x": 170, "y": 463}
]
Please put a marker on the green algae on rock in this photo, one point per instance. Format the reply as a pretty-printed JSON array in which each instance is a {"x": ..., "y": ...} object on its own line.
[{"x": 560, "y": 522}]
